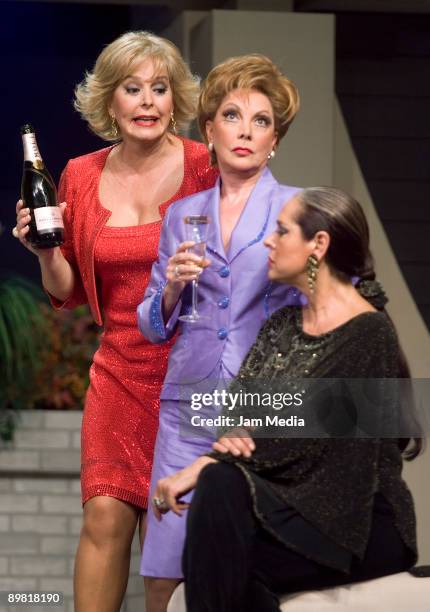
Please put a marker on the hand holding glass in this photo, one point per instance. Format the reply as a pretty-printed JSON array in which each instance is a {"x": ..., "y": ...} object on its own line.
[{"x": 196, "y": 230}]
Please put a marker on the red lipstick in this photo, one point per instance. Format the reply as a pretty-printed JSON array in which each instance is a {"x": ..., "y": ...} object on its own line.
[{"x": 242, "y": 151}]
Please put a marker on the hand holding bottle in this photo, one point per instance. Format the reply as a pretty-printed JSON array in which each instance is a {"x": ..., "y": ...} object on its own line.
[
  {"x": 39, "y": 220},
  {"x": 57, "y": 274},
  {"x": 22, "y": 228},
  {"x": 39, "y": 196}
]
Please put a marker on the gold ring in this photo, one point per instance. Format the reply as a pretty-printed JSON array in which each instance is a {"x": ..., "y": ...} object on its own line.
[{"x": 15, "y": 232}]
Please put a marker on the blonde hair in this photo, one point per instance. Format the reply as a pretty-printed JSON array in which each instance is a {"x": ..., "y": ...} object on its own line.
[
  {"x": 253, "y": 71},
  {"x": 94, "y": 94}
]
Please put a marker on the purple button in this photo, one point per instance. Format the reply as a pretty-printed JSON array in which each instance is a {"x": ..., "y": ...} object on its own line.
[
  {"x": 222, "y": 333},
  {"x": 223, "y": 302}
]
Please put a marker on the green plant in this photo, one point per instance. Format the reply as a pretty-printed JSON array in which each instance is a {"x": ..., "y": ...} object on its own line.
[
  {"x": 62, "y": 377},
  {"x": 22, "y": 330},
  {"x": 45, "y": 354}
]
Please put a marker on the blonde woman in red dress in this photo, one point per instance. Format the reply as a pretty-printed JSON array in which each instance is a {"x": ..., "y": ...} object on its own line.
[{"x": 138, "y": 95}]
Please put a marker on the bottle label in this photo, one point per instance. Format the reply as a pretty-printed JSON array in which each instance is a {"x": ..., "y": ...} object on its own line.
[
  {"x": 48, "y": 219},
  {"x": 31, "y": 150}
]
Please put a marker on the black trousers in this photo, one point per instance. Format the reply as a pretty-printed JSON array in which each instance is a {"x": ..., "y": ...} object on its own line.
[{"x": 231, "y": 564}]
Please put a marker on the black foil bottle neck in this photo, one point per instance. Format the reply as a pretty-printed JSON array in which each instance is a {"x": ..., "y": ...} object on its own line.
[{"x": 27, "y": 128}]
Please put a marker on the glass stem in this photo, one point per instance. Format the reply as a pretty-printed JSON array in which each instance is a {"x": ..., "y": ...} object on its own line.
[{"x": 194, "y": 298}]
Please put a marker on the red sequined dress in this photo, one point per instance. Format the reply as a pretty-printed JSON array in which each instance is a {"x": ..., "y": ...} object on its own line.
[{"x": 113, "y": 266}]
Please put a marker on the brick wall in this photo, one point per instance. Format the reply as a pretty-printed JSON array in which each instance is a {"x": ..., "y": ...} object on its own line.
[{"x": 40, "y": 510}]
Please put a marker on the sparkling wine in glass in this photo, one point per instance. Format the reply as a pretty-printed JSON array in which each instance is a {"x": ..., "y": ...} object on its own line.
[{"x": 196, "y": 230}]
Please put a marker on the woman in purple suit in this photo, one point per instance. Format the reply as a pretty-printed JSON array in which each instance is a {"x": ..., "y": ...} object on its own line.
[{"x": 245, "y": 108}]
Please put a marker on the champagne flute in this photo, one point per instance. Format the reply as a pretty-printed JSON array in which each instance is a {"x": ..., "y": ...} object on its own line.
[{"x": 196, "y": 230}]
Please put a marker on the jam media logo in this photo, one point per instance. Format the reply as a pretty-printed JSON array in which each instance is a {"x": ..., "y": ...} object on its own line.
[{"x": 314, "y": 408}]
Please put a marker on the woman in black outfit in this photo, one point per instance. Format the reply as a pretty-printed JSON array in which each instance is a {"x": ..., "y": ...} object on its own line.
[{"x": 276, "y": 515}]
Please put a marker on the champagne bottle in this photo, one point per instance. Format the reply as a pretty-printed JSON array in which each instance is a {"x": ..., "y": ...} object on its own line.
[{"x": 39, "y": 194}]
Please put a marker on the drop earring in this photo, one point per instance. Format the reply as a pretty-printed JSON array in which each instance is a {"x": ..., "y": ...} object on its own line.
[
  {"x": 271, "y": 154},
  {"x": 173, "y": 122},
  {"x": 312, "y": 270},
  {"x": 114, "y": 127},
  {"x": 210, "y": 147}
]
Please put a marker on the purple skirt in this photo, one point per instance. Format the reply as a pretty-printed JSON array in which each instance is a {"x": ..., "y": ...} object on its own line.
[{"x": 177, "y": 446}]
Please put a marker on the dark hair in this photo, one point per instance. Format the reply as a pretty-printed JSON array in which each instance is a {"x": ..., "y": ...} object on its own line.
[
  {"x": 342, "y": 217},
  {"x": 334, "y": 211}
]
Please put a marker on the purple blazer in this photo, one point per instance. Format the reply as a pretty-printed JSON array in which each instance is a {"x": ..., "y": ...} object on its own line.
[{"x": 234, "y": 291}]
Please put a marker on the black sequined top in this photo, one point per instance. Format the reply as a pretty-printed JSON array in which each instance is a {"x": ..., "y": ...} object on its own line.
[{"x": 331, "y": 483}]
